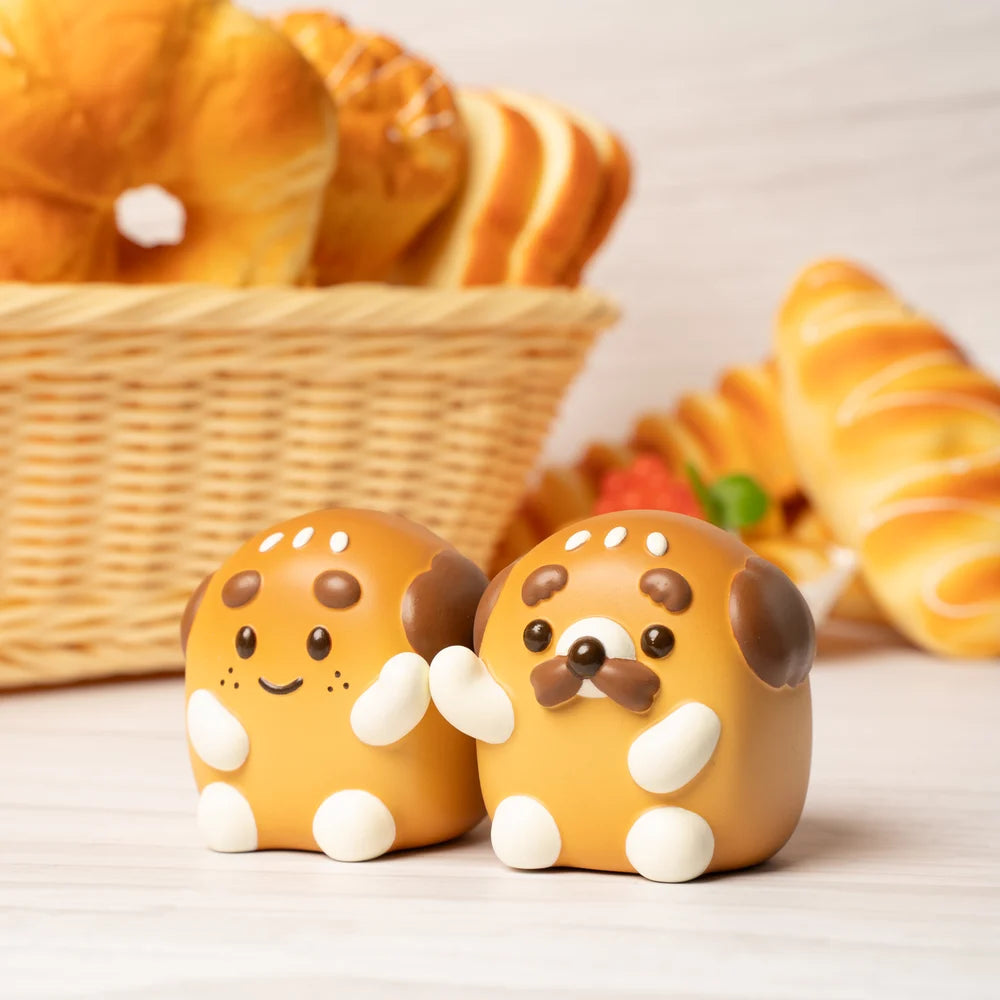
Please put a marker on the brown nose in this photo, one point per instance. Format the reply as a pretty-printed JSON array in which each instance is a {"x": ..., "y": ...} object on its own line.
[{"x": 586, "y": 656}]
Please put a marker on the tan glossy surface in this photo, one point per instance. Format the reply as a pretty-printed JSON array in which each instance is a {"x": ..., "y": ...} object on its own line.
[
  {"x": 302, "y": 748},
  {"x": 574, "y": 758}
]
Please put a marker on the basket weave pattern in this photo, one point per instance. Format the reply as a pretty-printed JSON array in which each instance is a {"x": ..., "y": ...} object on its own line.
[{"x": 147, "y": 431}]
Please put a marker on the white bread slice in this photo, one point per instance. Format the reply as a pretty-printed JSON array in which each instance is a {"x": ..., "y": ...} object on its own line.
[
  {"x": 567, "y": 196},
  {"x": 616, "y": 169},
  {"x": 471, "y": 242}
]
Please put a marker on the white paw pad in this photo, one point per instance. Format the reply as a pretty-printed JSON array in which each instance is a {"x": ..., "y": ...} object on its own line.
[
  {"x": 353, "y": 825},
  {"x": 524, "y": 834},
  {"x": 225, "y": 819},
  {"x": 670, "y": 844},
  {"x": 468, "y": 697},
  {"x": 394, "y": 705},
  {"x": 215, "y": 733}
]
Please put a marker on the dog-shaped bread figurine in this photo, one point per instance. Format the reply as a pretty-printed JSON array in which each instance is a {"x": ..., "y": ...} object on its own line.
[
  {"x": 308, "y": 708},
  {"x": 640, "y": 699}
]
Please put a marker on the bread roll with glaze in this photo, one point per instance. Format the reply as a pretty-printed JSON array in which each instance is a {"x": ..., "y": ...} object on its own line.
[
  {"x": 472, "y": 242},
  {"x": 897, "y": 439},
  {"x": 195, "y": 96},
  {"x": 402, "y": 146}
]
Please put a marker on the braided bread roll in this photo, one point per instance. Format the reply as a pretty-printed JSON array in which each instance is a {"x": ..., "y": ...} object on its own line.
[{"x": 897, "y": 439}]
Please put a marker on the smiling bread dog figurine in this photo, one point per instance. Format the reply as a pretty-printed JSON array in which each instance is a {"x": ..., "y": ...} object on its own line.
[
  {"x": 308, "y": 710},
  {"x": 641, "y": 701}
]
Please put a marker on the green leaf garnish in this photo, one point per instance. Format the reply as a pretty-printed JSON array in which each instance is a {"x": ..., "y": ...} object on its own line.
[
  {"x": 742, "y": 501},
  {"x": 731, "y": 502}
]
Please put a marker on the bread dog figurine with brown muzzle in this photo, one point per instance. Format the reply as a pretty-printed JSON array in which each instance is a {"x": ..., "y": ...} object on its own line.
[
  {"x": 308, "y": 710},
  {"x": 640, "y": 699}
]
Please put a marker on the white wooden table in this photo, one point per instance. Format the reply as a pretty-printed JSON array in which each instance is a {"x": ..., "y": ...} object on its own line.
[{"x": 889, "y": 888}]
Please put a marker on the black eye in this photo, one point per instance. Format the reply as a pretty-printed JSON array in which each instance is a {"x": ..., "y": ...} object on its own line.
[
  {"x": 318, "y": 644},
  {"x": 657, "y": 641},
  {"x": 246, "y": 642},
  {"x": 537, "y": 635}
]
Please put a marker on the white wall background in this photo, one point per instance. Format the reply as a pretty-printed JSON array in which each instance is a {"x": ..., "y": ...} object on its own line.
[{"x": 766, "y": 133}]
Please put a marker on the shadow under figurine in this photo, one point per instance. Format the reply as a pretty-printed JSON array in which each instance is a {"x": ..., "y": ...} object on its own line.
[
  {"x": 308, "y": 710},
  {"x": 641, "y": 702}
]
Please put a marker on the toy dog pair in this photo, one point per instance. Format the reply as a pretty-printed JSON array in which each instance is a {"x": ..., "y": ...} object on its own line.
[{"x": 632, "y": 695}]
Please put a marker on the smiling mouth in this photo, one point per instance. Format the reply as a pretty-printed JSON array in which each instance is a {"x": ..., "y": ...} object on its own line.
[{"x": 271, "y": 688}]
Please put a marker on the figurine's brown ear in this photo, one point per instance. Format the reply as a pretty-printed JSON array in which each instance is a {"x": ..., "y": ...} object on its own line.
[
  {"x": 772, "y": 624},
  {"x": 194, "y": 602},
  {"x": 439, "y": 606},
  {"x": 487, "y": 604}
]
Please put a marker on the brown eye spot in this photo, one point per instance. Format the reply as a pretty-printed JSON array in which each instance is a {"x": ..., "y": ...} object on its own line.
[
  {"x": 337, "y": 589},
  {"x": 241, "y": 588},
  {"x": 246, "y": 642},
  {"x": 537, "y": 635},
  {"x": 657, "y": 641},
  {"x": 318, "y": 644},
  {"x": 667, "y": 588}
]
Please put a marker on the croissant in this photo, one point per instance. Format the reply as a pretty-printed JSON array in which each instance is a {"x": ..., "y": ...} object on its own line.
[{"x": 897, "y": 441}]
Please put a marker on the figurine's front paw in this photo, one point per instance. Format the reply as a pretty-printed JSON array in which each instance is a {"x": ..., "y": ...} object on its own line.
[
  {"x": 468, "y": 697},
  {"x": 225, "y": 819},
  {"x": 675, "y": 750},
  {"x": 215, "y": 733},
  {"x": 353, "y": 825},
  {"x": 395, "y": 703},
  {"x": 524, "y": 834},
  {"x": 670, "y": 844}
]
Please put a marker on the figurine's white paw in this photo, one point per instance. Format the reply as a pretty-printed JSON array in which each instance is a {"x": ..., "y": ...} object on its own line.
[
  {"x": 215, "y": 733},
  {"x": 395, "y": 703},
  {"x": 225, "y": 819},
  {"x": 670, "y": 844},
  {"x": 353, "y": 825},
  {"x": 524, "y": 834},
  {"x": 468, "y": 697},
  {"x": 671, "y": 753}
]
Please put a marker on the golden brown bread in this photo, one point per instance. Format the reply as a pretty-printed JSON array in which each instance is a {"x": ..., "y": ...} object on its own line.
[
  {"x": 196, "y": 96},
  {"x": 565, "y": 199},
  {"x": 616, "y": 180},
  {"x": 897, "y": 439},
  {"x": 402, "y": 146},
  {"x": 471, "y": 242}
]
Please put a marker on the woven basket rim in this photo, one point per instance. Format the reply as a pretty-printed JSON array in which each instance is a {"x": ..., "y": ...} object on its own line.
[{"x": 110, "y": 307}]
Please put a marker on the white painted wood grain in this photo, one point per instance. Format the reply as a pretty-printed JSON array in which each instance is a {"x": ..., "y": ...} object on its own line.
[
  {"x": 766, "y": 133},
  {"x": 890, "y": 887}
]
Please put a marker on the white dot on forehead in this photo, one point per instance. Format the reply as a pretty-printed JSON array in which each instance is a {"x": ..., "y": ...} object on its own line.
[
  {"x": 656, "y": 543},
  {"x": 302, "y": 538},
  {"x": 577, "y": 539},
  {"x": 615, "y": 537},
  {"x": 339, "y": 541},
  {"x": 270, "y": 542}
]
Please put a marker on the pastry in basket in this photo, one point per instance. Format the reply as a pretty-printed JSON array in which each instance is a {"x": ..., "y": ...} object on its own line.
[
  {"x": 566, "y": 198},
  {"x": 402, "y": 146},
  {"x": 640, "y": 698},
  {"x": 195, "y": 96},
  {"x": 471, "y": 243},
  {"x": 543, "y": 190},
  {"x": 616, "y": 179},
  {"x": 308, "y": 709},
  {"x": 897, "y": 439}
]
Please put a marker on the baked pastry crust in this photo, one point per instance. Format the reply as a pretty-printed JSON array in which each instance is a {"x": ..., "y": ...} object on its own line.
[
  {"x": 897, "y": 440},
  {"x": 402, "y": 146},
  {"x": 195, "y": 96}
]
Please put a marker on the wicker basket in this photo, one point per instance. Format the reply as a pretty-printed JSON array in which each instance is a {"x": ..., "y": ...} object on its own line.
[{"x": 147, "y": 431}]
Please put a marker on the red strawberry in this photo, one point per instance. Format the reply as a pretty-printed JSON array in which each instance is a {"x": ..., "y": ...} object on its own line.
[{"x": 647, "y": 484}]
